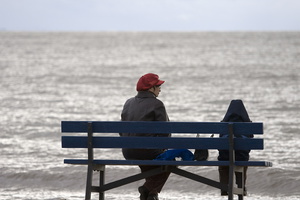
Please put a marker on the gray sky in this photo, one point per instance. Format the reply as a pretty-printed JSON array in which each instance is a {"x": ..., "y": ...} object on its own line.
[{"x": 150, "y": 15}]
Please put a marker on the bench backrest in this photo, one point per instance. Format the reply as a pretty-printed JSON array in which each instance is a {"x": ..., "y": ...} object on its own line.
[{"x": 233, "y": 130}]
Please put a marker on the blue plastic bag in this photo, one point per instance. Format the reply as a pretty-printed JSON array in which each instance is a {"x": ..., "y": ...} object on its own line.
[{"x": 171, "y": 154}]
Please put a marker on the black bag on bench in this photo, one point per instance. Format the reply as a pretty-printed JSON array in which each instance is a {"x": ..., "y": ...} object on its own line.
[{"x": 201, "y": 154}]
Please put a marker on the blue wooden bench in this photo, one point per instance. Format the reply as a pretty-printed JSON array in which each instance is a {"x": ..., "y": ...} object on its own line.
[{"x": 183, "y": 137}]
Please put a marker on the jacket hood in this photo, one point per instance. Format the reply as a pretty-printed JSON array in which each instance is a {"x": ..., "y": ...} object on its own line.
[{"x": 236, "y": 112}]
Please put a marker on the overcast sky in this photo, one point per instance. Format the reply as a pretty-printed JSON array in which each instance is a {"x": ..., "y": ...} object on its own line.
[{"x": 150, "y": 15}]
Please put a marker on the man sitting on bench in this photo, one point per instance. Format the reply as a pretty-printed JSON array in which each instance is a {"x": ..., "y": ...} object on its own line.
[{"x": 146, "y": 107}]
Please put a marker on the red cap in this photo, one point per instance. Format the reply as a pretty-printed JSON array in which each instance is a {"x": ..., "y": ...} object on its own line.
[{"x": 148, "y": 81}]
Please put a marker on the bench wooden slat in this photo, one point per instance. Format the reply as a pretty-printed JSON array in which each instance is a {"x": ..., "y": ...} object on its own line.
[
  {"x": 161, "y": 142},
  {"x": 167, "y": 162},
  {"x": 162, "y": 127}
]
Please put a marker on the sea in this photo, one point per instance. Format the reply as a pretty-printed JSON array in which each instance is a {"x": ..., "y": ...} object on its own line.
[{"x": 49, "y": 77}]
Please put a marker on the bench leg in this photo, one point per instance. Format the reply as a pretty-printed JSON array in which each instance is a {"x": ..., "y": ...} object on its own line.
[
  {"x": 89, "y": 182},
  {"x": 101, "y": 180},
  {"x": 239, "y": 175},
  {"x": 230, "y": 183},
  {"x": 240, "y": 180}
]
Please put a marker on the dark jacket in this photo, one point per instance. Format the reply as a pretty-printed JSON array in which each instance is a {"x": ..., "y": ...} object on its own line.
[
  {"x": 236, "y": 113},
  {"x": 143, "y": 107}
]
